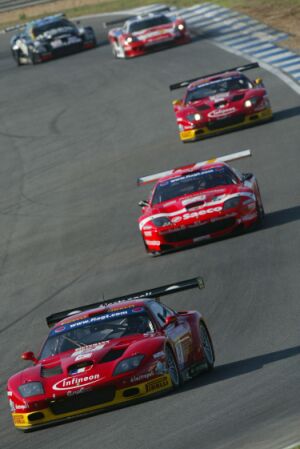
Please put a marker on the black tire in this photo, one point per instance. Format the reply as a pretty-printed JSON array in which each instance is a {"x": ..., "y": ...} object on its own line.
[
  {"x": 173, "y": 369},
  {"x": 207, "y": 346},
  {"x": 114, "y": 50},
  {"x": 34, "y": 58},
  {"x": 16, "y": 56},
  {"x": 260, "y": 213}
]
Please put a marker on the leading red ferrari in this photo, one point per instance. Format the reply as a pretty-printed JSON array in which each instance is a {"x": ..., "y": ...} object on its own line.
[
  {"x": 109, "y": 353},
  {"x": 220, "y": 102},
  {"x": 198, "y": 202}
]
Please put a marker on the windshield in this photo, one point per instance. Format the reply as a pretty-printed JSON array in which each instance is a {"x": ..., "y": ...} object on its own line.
[
  {"x": 192, "y": 183},
  {"x": 148, "y": 23},
  {"x": 216, "y": 87},
  {"x": 91, "y": 330},
  {"x": 41, "y": 29}
]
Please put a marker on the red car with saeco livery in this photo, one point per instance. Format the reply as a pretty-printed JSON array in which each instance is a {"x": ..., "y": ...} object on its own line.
[{"x": 198, "y": 202}]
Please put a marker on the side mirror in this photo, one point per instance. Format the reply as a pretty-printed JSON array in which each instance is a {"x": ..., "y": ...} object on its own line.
[
  {"x": 171, "y": 319},
  {"x": 247, "y": 176},
  {"x": 258, "y": 82},
  {"x": 176, "y": 102},
  {"x": 143, "y": 203},
  {"x": 29, "y": 355}
]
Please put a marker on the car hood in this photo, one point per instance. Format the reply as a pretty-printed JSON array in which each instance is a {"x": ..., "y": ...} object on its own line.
[
  {"x": 198, "y": 204},
  {"x": 87, "y": 365},
  {"x": 154, "y": 32},
  {"x": 221, "y": 105}
]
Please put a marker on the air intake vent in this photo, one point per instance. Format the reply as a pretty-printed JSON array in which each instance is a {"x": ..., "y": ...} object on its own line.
[
  {"x": 203, "y": 107},
  {"x": 51, "y": 371},
  {"x": 112, "y": 355},
  {"x": 195, "y": 204},
  {"x": 238, "y": 97}
]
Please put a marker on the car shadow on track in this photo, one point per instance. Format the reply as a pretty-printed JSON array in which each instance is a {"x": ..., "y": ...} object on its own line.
[
  {"x": 271, "y": 220},
  {"x": 286, "y": 113},
  {"x": 281, "y": 217},
  {"x": 220, "y": 373},
  {"x": 235, "y": 369}
]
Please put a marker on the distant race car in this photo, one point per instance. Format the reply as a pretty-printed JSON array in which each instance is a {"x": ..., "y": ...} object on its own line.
[
  {"x": 142, "y": 34},
  {"x": 220, "y": 102},
  {"x": 110, "y": 353},
  {"x": 48, "y": 38},
  {"x": 198, "y": 202}
]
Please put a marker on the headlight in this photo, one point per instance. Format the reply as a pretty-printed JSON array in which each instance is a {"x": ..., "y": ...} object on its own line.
[
  {"x": 128, "y": 364},
  {"x": 251, "y": 102},
  {"x": 161, "y": 221},
  {"x": 38, "y": 46},
  {"x": 233, "y": 202},
  {"x": 194, "y": 117},
  {"x": 130, "y": 39},
  {"x": 31, "y": 389},
  {"x": 181, "y": 27}
]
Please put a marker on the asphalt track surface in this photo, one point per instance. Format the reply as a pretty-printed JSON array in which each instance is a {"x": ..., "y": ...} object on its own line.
[{"x": 75, "y": 134}]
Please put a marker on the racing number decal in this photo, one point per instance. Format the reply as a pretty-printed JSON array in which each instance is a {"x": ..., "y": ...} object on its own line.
[{"x": 182, "y": 339}]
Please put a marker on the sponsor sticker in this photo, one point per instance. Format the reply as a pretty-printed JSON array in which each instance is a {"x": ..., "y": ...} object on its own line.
[
  {"x": 20, "y": 407},
  {"x": 71, "y": 383},
  {"x": 156, "y": 384},
  {"x": 88, "y": 349},
  {"x": 141, "y": 377},
  {"x": 19, "y": 419},
  {"x": 220, "y": 113},
  {"x": 82, "y": 356},
  {"x": 77, "y": 392},
  {"x": 59, "y": 329}
]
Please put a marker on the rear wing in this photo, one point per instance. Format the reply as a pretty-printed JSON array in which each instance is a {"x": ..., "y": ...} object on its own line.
[
  {"x": 241, "y": 68},
  {"x": 154, "y": 293},
  {"x": 117, "y": 21},
  {"x": 227, "y": 158},
  {"x": 155, "y": 12}
]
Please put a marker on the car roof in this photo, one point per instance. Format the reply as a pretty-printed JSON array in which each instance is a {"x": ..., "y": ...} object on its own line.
[
  {"x": 209, "y": 79},
  {"x": 142, "y": 18},
  {"x": 105, "y": 308}
]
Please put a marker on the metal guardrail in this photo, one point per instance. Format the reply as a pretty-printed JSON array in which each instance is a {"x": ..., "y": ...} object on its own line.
[{"x": 10, "y": 5}]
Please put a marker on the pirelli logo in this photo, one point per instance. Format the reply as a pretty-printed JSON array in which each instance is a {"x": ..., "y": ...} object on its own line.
[
  {"x": 18, "y": 419},
  {"x": 157, "y": 384}
]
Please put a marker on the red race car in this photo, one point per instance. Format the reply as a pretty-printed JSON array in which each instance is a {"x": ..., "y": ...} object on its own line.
[
  {"x": 201, "y": 201},
  {"x": 142, "y": 34},
  {"x": 219, "y": 102},
  {"x": 109, "y": 353}
]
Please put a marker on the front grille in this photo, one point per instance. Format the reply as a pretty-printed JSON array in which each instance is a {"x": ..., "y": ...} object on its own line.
[
  {"x": 228, "y": 121},
  {"x": 67, "y": 49},
  {"x": 199, "y": 231},
  {"x": 82, "y": 400}
]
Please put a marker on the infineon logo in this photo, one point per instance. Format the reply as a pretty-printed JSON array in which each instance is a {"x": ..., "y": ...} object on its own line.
[{"x": 70, "y": 383}]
